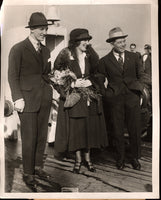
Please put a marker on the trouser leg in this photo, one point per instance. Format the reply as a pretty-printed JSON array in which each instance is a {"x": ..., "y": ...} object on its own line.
[
  {"x": 133, "y": 118},
  {"x": 29, "y": 139},
  {"x": 117, "y": 123},
  {"x": 43, "y": 117}
]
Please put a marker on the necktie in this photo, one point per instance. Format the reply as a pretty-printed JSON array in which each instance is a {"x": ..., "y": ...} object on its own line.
[
  {"x": 38, "y": 47},
  {"x": 120, "y": 61}
]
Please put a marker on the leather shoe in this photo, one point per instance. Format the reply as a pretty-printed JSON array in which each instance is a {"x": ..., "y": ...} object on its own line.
[
  {"x": 41, "y": 173},
  {"x": 89, "y": 166},
  {"x": 120, "y": 164},
  {"x": 77, "y": 167},
  {"x": 135, "y": 164},
  {"x": 30, "y": 182}
]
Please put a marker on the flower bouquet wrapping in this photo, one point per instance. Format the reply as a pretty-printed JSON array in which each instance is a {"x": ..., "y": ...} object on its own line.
[{"x": 66, "y": 79}]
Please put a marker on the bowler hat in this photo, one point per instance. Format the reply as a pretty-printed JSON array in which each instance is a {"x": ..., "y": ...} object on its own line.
[
  {"x": 115, "y": 33},
  {"x": 37, "y": 19},
  {"x": 79, "y": 34}
]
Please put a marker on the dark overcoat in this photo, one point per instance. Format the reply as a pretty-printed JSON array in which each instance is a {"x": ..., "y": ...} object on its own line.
[
  {"x": 147, "y": 64},
  {"x": 84, "y": 118}
]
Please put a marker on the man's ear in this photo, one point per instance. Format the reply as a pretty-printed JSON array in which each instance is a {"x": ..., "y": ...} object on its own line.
[
  {"x": 112, "y": 43},
  {"x": 31, "y": 29}
]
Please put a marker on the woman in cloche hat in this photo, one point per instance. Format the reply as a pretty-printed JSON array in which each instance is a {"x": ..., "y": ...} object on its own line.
[{"x": 82, "y": 126}]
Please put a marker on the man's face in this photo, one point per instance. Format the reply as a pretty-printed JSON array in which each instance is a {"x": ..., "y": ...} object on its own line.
[
  {"x": 83, "y": 45},
  {"x": 119, "y": 45},
  {"x": 147, "y": 51},
  {"x": 133, "y": 48},
  {"x": 39, "y": 33}
]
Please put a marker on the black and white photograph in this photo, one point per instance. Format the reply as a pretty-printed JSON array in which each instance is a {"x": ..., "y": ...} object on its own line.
[{"x": 79, "y": 113}]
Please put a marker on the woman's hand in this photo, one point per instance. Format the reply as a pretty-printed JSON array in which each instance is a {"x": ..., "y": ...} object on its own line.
[
  {"x": 79, "y": 82},
  {"x": 86, "y": 83},
  {"x": 83, "y": 83}
]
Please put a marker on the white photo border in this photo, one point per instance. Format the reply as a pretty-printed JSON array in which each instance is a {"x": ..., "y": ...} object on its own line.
[{"x": 155, "y": 102}]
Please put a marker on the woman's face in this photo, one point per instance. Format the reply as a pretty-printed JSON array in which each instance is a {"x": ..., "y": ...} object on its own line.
[{"x": 83, "y": 45}]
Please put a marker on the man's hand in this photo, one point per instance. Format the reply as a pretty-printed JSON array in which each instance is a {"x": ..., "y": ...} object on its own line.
[{"x": 19, "y": 105}]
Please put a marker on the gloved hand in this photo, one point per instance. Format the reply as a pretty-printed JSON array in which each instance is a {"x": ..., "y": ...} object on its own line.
[{"x": 19, "y": 105}]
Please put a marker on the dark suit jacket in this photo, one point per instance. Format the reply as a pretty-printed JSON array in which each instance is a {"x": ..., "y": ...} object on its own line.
[
  {"x": 139, "y": 54},
  {"x": 27, "y": 74},
  {"x": 147, "y": 64},
  {"x": 131, "y": 77}
]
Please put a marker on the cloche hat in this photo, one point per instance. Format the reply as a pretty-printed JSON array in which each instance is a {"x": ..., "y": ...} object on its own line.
[{"x": 79, "y": 34}]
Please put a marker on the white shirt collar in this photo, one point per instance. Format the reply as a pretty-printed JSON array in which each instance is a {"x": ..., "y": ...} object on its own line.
[
  {"x": 117, "y": 55},
  {"x": 81, "y": 60},
  {"x": 33, "y": 42},
  {"x": 83, "y": 55}
]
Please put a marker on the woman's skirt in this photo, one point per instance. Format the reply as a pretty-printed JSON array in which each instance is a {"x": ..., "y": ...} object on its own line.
[{"x": 80, "y": 131}]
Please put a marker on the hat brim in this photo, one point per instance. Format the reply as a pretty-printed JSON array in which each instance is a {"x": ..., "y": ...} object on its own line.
[
  {"x": 114, "y": 38},
  {"x": 147, "y": 47},
  {"x": 83, "y": 38},
  {"x": 35, "y": 26}
]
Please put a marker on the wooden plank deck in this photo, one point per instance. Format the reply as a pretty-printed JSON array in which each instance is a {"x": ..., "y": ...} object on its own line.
[{"x": 106, "y": 179}]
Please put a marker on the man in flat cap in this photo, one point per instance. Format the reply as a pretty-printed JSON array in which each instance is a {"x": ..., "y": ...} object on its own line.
[
  {"x": 125, "y": 76},
  {"x": 146, "y": 59},
  {"x": 32, "y": 95}
]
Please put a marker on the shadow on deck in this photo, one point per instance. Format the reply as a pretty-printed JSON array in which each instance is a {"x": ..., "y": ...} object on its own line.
[{"x": 106, "y": 179}]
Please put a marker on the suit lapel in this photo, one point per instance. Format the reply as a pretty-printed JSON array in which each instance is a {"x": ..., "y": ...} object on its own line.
[
  {"x": 76, "y": 68},
  {"x": 87, "y": 66},
  {"x": 114, "y": 61},
  {"x": 30, "y": 47},
  {"x": 44, "y": 57},
  {"x": 126, "y": 62}
]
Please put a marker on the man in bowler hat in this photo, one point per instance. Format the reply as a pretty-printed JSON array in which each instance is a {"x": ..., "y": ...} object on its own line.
[
  {"x": 125, "y": 76},
  {"x": 32, "y": 95}
]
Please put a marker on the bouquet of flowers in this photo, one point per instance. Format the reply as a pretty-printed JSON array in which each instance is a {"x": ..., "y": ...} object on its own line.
[
  {"x": 63, "y": 78},
  {"x": 66, "y": 79},
  {"x": 87, "y": 93}
]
